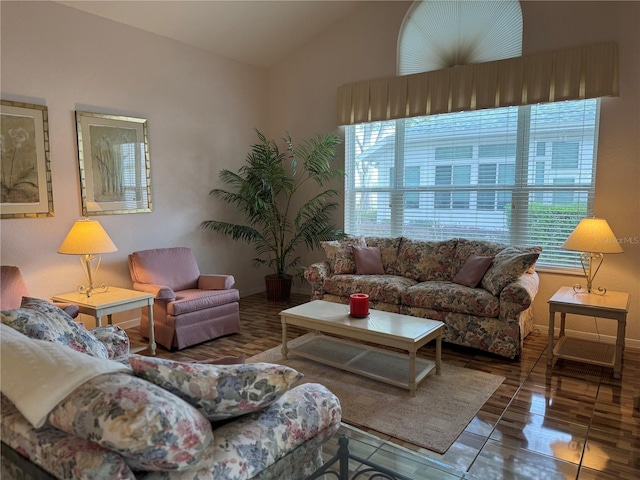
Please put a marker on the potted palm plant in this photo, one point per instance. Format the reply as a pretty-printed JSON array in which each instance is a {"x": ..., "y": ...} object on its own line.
[{"x": 266, "y": 189}]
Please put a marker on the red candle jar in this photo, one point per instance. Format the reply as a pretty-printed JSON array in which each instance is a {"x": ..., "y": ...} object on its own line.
[{"x": 359, "y": 305}]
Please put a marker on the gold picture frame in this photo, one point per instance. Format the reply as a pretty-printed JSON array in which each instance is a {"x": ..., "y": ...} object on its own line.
[
  {"x": 25, "y": 171},
  {"x": 115, "y": 171}
]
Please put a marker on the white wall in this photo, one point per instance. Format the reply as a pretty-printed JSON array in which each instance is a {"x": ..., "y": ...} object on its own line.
[
  {"x": 363, "y": 47},
  {"x": 201, "y": 111}
]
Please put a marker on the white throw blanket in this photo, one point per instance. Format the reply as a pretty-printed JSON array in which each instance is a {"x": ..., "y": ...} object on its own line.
[{"x": 37, "y": 375}]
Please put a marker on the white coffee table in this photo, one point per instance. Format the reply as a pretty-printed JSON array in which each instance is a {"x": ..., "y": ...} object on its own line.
[{"x": 381, "y": 328}]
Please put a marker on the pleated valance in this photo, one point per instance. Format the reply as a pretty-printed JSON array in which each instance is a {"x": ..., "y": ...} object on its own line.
[{"x": 569, "y": 74}]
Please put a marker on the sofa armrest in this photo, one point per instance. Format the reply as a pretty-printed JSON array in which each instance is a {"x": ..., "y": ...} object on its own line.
[
  {"x": 298, "y": 416},
  {"x": 116, "y": 340},
  {"x": 215, "y": 282},
  {"x": 315, "y": 275},
  {"x": 47, "y": 452},
  {"x": 518, "y": 296},
  {"x": 160, "y": 292}
]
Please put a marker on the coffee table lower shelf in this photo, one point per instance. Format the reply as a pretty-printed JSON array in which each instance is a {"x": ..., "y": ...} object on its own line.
[{"x": 371, "y": 362}]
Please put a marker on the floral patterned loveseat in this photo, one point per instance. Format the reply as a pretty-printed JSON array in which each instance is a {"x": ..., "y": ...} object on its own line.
[
  {"x": 481, "y": 290},
  {"x": 76, "y": 405}
]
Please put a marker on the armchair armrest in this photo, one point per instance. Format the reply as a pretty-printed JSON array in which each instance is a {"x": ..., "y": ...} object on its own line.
[
  {"x": 161, "y": 292},
  {"x": 71, "y": 309},
  {"x": 215, "y": 282}
]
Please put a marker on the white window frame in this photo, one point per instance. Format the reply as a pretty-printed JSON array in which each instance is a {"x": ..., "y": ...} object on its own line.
[{"x": 525, "y": 191}]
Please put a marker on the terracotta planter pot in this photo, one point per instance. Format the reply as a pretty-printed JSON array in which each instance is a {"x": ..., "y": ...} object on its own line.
[{"x": 278, "y": 289}]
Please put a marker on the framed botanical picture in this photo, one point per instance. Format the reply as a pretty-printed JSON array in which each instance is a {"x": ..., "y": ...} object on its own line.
[
  {"x": 25, "y": 172},
  {"x": 115, "y": 173}
]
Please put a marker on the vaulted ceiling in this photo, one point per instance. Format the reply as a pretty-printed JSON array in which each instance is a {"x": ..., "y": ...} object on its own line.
[{"x": 257, "y": 32}]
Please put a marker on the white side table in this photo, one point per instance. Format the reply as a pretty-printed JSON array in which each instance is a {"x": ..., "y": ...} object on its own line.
[
  {"x": 611, "y": 305},
  {"x": 112, "y": 301}
]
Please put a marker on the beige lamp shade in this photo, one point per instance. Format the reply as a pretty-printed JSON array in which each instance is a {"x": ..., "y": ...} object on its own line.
[
  {"x": 593, "y": 235},
  {"x": 87, "y": 237}
]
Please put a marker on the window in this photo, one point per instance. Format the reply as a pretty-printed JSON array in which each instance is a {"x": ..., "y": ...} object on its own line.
[
  {"x": 495, "y": 174},
  {"x": 565, "y": 154},
  {"x": 518, "y": 175},
  {"x": 452, "y": 175},
  {"x": 412, "y": 179}
]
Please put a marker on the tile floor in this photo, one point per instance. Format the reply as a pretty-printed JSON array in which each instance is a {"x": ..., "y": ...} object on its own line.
[{"x": 572, "y": 422}]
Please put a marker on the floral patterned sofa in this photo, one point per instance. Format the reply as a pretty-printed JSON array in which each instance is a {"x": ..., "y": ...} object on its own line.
[
  {"x": 77, "y": 405},
  {"x": 481, "y": 290}
]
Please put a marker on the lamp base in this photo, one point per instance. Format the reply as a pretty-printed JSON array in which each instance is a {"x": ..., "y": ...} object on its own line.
[
  {"x": 88, "y": 291},
  {"x": 577, "y": 288},
  {"x": 591, "y": 263},
  {"x": 86, "y": 261}
]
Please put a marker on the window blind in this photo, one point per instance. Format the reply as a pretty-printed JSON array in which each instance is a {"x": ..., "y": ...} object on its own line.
[{"x": 517, "y": 175}]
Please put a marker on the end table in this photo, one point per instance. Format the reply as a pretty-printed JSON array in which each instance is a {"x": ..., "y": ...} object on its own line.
[
  {"x": 611, "y": 305},
  {"x": 112, "y": 301}
]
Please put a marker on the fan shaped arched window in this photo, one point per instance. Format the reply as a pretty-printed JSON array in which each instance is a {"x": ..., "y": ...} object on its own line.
[{"x": 437, "y": 34}]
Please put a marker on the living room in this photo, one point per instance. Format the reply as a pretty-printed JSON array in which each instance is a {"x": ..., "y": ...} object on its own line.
[{"x": 202, "y": 108}]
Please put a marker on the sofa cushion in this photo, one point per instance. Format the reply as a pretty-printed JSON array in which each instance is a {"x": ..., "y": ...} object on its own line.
[
  {"x": 380, "y": 288},
  {"x": 451, "y": 297},
  {"x": 427, "y": 261},
  {"x": 473, "y": 270},
  {"x": 193, "y": 300},
  {"x": 340, "y": 254},
  {"x": 389, "y": 249},
  {"x": 368, "y": 261},
  {"x": 507, "y": 266},
  {"x": 151, "y": 428},
  {"x": 218, "y": 391},
  {"x": 60, "y": 454},
  {"x": 42, "y": 320},
  {"x": 37, "y": 374}
]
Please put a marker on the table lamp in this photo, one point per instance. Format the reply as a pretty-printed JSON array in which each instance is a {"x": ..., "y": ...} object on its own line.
[
  {"x": 592, "y": 238},
  {"x": 88, "y": 239}
]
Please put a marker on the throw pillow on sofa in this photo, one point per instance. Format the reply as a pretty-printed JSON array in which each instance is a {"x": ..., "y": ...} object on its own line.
[
  {"x": 151, "y": 428},
  {"x": 368, "y": 261},
  {"x": 42, "y": 320},
  {"x": 507, "y": 266},
  {"x": 473, "y": 270},
  {"x": 218, "y": 391},
  {"x": 340, "y": 254}
]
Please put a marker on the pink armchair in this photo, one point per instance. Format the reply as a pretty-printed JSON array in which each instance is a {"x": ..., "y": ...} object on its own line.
[{"x": 189, "y": 307}]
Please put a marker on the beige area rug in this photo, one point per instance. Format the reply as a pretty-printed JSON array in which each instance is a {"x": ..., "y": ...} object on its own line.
[{"x": 442, "y": 408}]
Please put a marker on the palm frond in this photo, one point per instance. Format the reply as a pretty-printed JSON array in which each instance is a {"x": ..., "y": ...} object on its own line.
[{"x": 263, "y": 191}]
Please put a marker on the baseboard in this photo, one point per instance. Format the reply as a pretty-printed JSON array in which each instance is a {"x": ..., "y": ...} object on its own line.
[
  {"x": 251, "y": 291},
  {"x": 133, "y": 323},
  {"x": 254, "y": 291},
  {"x": 610, "y": 339}
]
